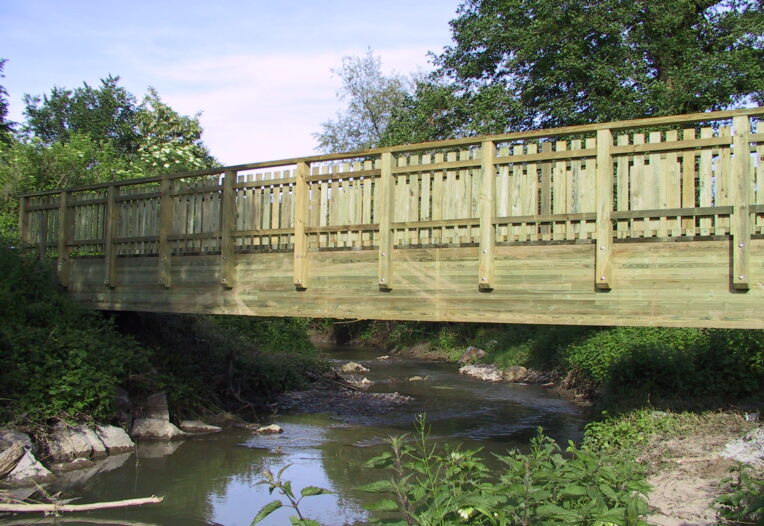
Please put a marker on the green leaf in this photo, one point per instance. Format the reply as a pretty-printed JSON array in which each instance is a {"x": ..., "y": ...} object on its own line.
[
  {"x": 286, "y": 487},
  {"x": 309, "y": 491},
  {"x": 265, "y": 511}
]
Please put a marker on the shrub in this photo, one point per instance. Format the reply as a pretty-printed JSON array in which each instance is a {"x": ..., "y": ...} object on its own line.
[
  {"x": 58, "y": 359},
  {"x": 430, "y": 485}
]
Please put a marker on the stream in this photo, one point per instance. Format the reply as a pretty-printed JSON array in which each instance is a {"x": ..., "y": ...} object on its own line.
[{"x": 212, "y": 479}]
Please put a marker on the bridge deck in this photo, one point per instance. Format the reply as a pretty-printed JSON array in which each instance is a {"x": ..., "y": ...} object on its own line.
[{"x": 650, "y": 222}]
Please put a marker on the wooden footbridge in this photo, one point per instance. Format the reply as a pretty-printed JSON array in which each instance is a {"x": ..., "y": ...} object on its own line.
[{"x": 656, "y": 221}]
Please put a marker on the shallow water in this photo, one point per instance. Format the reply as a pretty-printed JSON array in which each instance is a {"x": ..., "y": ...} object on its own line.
[{"x": 213, "y": 479}]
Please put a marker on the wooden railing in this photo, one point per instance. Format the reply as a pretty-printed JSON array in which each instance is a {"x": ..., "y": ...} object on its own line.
[{"x": 688, "y": 177}]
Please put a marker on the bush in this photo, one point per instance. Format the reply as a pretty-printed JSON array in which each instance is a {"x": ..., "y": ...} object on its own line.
[
  {"x": 544, "y": 486},
  {"x": 58, "y": 359}
]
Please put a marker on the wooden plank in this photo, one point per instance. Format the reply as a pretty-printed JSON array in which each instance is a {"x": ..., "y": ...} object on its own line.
[
  {"x": 111, "y": 219},
  {"x": 166, "y": 207},
  {"x": 603, "y": 274},
  {"x": 560, "y": 190},
  {"x": 545, "y": 200},
  {"x": 487, "y": 210},
  {"x": 705, "y": 181},
  {"x": 688, "y": 181},
  {"x": 300, "y": 223},
  {"x": 227, "y": 225},
  {"x": 739, "y": 179},
  {"x": 673, "y": 212},
  {"x": 638, "y": 188},
  {"x": 384, "y": 272},
  {"x": 65, "y": 225}
]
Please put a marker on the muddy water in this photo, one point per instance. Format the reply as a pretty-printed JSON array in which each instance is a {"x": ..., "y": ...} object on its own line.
[{"x": 213, "y": 479}]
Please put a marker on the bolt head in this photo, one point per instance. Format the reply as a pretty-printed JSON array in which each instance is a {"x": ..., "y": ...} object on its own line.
[
  {"x": 741, "y": 245},
  {"x": 741, "y": 277},
  {"x": 602, "y": 278}
]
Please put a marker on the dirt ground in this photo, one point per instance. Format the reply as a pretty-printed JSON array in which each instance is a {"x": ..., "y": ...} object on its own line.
[{"x": 688, "y": 473}]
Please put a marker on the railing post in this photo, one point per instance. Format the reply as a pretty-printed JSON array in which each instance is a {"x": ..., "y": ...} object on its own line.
[
  {"x": 165, "y": 225},
  {"x": 385, "y": 220},
  {"x": 487, "y": 212},
  {"x": 740, "y": 198},
  {"x": 227, "y": 224},
  {"x": 300, "y": 222},
  {"x": 110, "y": 226},
  {"x": 23, "y": 221},
  {"x": 64, "y": 235},
  {"x": 604, "y": 207}
]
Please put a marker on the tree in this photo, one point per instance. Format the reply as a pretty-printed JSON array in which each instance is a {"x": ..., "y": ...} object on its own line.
[
  {"x": 521, "y": 64},
  {"x": 106, "y": 112},
  {"x": 168, "y": 141},
  {"x": 371, "y": 100},
  {"x": 91, "y": 135},
  {"x": 6, "y": 126}
]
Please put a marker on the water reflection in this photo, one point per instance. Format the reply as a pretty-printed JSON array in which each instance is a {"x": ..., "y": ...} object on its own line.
[{"x": 213, "y": 479}]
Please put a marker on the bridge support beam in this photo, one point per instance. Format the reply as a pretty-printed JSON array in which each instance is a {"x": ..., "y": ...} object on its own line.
[
  {"x": 487, "y": 214},
  {"x": 603, "y": 197},
  {"x": 384, "y": 272},
  {"x": 110, "y": 226},
  {"x": 300, "y": 223},
  {"x": 227, "y": 224},
  {"x": 165, "y": 226},
  {"x": 65, "y": 224},
  {"x": 740, "y": 198}
]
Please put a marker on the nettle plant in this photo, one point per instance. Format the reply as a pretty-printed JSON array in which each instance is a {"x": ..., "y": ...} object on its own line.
[
  {"x": 433, "y": 486},
  {"x": 276, "y": 482}
]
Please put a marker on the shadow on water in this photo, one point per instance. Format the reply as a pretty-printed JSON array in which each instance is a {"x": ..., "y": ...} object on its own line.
[{"x": 213, "y": 479}]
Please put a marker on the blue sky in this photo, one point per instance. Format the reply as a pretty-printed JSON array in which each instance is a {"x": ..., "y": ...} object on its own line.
[{"x": 259, "y": 71}]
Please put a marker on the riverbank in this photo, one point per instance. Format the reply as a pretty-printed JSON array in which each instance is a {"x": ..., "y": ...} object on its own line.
[{"x": 672, "y": 399}]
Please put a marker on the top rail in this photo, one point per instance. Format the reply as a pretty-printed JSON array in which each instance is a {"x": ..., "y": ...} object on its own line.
[{"x": 689, "y": 118}]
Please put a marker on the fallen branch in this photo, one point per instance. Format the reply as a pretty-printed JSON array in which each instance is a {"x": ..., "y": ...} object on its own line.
[
  {"x": 10, "y": 457},
  {"x": 55, "y": 508}
]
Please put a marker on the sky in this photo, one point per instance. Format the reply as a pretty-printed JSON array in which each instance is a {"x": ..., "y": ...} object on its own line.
[{"x": 259, "y": 71}]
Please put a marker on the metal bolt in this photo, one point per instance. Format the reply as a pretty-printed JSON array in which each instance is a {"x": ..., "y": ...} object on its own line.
[
  {"x": 485, "y": 279},
  {"x": 741, "y": 245},
  {"x": 602, "y": 278},
  {"x": 602, "y": 248},
  {"x": 485, "y": 252},
  {"x": 383, "y": 253},
  {"x": 382, "y": 280},
  {"x": 741, "y": 277}
]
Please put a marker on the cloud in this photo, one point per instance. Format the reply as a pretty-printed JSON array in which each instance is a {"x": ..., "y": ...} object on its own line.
[{"x": 259, "y": 107}]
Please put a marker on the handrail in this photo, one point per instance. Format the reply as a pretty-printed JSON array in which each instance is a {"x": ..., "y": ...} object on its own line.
[{"x": 467, "y": 141}]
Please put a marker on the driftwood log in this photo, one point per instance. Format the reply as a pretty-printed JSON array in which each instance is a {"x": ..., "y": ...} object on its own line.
[
  {"x": 56, "y": 508},
  {"x": 10, "y": 457}
]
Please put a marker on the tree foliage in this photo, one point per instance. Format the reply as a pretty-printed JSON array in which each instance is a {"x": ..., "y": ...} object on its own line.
[
  {"x": 521, "y": 64},
  {"x": 5, "y": 125},
  {"x": 95, "y": 134},
  {"x": 104, "y": 113},
  {"x": 371, "y": 100}
]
